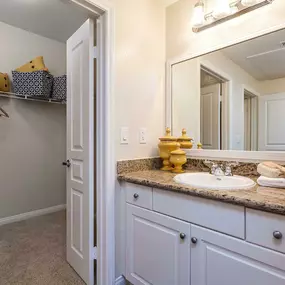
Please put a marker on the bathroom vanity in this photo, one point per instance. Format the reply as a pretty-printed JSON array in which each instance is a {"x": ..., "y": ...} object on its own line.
[{"x": 178, "y": 235}]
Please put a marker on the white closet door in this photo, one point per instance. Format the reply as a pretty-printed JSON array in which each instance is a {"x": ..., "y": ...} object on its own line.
[
  {"x": 210, "y": 117},
  {"x": 271, "y": 122},
  {"x": 80, "y": 153}
]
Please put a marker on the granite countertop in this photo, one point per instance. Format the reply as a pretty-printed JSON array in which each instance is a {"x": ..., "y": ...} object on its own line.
[{"x": 260, "y": 198}]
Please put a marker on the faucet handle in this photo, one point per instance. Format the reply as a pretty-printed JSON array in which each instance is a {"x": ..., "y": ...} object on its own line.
[
  {"x": 228, "y": 168},
  {"x": 212, "y": 166}
]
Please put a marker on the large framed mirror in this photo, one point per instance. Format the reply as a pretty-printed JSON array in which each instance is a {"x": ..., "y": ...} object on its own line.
[{"x": 232, "y": 100}]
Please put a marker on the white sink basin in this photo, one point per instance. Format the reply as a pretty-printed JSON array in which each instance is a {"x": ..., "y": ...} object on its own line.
[{"x": 211, "y": 182}]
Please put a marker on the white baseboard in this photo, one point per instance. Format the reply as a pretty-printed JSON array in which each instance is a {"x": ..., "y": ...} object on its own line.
[
  {"x": 25, "y": 216},
  {"x": 120, "y": 281}
]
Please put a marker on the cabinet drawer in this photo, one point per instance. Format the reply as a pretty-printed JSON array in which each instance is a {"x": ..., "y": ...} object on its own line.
[
  {"x": 139, "y": 195},
  {"x": 264, "y": 229},
  {"x": 222, "y": 217}
]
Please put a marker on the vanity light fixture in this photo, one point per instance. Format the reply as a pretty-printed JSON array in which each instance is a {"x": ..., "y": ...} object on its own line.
[
  {"x": 224, "y": 11},
  {"x": 198, "y": 14}
]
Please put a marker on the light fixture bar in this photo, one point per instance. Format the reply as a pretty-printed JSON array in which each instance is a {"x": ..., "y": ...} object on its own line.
[{"x": 242, "y": 11}]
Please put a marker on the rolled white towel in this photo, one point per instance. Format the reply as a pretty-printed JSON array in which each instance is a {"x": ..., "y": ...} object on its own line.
[{"x": 271, "y": 182}]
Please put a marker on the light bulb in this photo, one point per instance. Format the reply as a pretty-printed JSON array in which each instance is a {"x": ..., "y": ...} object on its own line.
[
  {"x": 248, "y": 3},
  {"x": 198, "y": 15},
  {"x": 222, "y": 9}
]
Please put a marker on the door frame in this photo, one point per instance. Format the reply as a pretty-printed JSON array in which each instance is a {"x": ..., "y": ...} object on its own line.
[
  {"x": 256, "y": 95},
  {"x": 105, "y": 165}
]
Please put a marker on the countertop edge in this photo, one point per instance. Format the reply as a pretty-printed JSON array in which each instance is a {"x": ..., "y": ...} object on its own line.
[{"x": 261, "y": 206}]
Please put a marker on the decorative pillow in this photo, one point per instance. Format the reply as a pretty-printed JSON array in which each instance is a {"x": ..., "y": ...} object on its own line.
[
  {"x": 35, "y": 64},
  {"x": 4, "y": 82}
]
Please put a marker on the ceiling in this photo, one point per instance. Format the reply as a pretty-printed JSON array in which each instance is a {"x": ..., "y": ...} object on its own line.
[
  {"x": 263, "y": 57},
  {"x": 54, "y": 19}
]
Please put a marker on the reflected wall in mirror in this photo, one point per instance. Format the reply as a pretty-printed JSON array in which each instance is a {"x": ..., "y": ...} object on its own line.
[{"x": 234, "y": 98}]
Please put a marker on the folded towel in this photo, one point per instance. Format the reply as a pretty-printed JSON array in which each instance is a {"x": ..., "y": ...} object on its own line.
[
  {"x": 271, "y": 182},
  {"x": 271, "y": 170}
]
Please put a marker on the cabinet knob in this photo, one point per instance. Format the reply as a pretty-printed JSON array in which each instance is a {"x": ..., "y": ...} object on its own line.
[
  {"x": 194, "y": 240},
  {"x": 136, "y": 195},
  {"x": 277, "y": 235},
  {"x": 182, "y": 236}
]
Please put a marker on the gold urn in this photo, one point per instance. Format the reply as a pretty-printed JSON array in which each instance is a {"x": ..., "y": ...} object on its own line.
[
  {"x": 167, "y": 144},
  {"x": 178, "y": 158},
  {"x": 185, "y": 141}
]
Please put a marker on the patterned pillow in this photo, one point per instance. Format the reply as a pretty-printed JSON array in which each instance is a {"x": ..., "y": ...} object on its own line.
[
  {"x": 4, "y": 82},
  {"x": 35, "y": 64}
]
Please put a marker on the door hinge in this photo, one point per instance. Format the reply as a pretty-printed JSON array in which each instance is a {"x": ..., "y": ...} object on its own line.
[
  {"x": 94, "y": 253},
  {"x": 95, "y": 52}
]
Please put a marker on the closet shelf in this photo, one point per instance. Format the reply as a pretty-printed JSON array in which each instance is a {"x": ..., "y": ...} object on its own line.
[{"x": 30, "y": 98}]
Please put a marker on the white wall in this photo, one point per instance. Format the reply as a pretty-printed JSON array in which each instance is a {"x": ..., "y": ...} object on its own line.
[
  {"x": 19, "y": 47},
  {"x": 186, "y": 98},
  {"x": 33, "y": 139},
  {"x": 32, "y": 143}
]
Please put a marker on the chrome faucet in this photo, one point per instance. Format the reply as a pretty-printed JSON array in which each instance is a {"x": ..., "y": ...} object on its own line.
[{"x": 222, "y": 169}]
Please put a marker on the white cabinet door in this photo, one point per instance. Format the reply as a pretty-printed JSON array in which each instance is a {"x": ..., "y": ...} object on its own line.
[
  {"x": 80, "y": 144},
  {"x": 157, "y": 249},
  {"x": 210, "y": 117},
  {"x": 217, "y": 259}
]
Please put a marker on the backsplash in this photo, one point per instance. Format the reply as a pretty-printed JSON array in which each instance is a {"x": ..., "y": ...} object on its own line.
[{"x": 155, "y": 163}]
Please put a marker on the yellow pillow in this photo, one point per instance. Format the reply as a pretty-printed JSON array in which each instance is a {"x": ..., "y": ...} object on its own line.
[
  {"x": 4, "y": 82},
  {"x": 34, "y": 65}
]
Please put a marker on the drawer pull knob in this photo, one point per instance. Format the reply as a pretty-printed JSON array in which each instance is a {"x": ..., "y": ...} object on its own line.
[
  {"x": 194, "y": 240},
  {"x": 136, "y": 195},
  {"x": 277, "y": 235},
  {"x": 182, "y": 236}
]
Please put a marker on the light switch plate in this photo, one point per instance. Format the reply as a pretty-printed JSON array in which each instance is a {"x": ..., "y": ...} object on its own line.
[
  {"x": 142, "y": 136},
  {"x": 124, "y": 135}
]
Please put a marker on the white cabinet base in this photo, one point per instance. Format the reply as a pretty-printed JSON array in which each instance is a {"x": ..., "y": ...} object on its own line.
[
  {"x": 217, "y": 259},
  {"x": 156, "y": 255}
]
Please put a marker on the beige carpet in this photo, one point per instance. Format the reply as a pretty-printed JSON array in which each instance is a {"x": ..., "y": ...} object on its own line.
[{"x": 33, "y": 252}]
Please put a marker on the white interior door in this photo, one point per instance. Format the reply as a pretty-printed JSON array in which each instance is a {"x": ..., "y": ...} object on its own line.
[
  {"x": 210, "y": 116},
  {"x": 80, "y": 151},
  {"x": 271, "y": 135}
]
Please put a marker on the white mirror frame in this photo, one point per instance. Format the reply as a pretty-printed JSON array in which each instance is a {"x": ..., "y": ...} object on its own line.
[{"x": 238, "y": 155}]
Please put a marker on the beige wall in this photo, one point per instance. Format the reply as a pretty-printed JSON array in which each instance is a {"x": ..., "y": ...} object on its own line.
[{"x": 181, "y": 40}]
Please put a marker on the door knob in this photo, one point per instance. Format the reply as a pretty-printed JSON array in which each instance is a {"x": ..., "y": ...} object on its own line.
[
  {"x": 136, "y": 195},
  {"x": 66, "y": 163}
]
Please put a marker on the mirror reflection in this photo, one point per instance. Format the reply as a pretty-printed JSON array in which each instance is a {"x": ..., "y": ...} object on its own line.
[{"x": 234, "y": 98}]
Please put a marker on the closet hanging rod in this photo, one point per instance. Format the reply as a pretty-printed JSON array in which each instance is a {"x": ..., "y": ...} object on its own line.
[{"x": 4, "y": 113}]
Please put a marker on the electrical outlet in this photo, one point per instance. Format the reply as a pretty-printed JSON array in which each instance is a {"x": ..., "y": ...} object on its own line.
[
  {"x": 124, "y": 135},
  {"x": 143, "y": 136}
]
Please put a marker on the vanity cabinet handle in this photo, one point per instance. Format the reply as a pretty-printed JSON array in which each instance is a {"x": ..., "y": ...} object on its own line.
[
  {"x": 182, "y": 236},
  {"x": 194, "y": 240},
  {"x": 277, "y": 235},
  {"x": 136, "y": 195}
]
